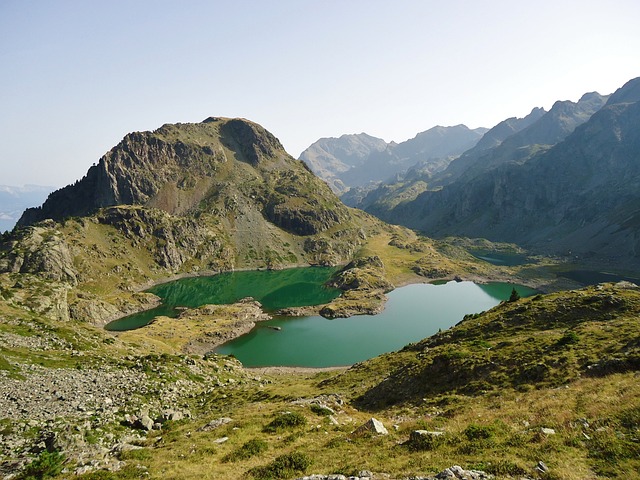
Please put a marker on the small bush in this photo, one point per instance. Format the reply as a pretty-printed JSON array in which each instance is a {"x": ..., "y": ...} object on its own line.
[
  {"x": 286, "y": 421},
  {"x": 505, "y": 467},
  {"x": 478, "y": 432},
  {"x": 250, "y": 449},
  {"x": 425, "y": 442},
  {"x": 284, "y": 466},
  {"x": 569, "y": 338},
  {"x": 320, "y": 410},
  {"x": 515, "y": 296},
  {"x": 47, "y": 464}
]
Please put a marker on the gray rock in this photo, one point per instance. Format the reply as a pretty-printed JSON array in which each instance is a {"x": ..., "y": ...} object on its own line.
[
  {"x": 372, "y": 426},
  {"x": 213, "y": 424},
  {"x": 459, "y": 473},
  {"x": 541, "y": 467},
  {"x": 145, "y": 422},
  {"x": 424, "y": 439}
]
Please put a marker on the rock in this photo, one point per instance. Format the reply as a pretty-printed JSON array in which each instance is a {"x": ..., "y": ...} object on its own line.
[
  {"x": 547, "y": 431},
  {"x": 145, "y": 423},
  {"x": 324, "y": 477},
  {"x": 541, "y": 467},
  {"x": 221, "y": 440},
  {"x": 372, "y": 426},
  {"x": 213, "y": 424},
  {"x": 459, "y": 473}
]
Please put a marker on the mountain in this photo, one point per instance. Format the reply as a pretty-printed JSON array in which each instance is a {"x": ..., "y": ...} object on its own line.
[
  {"x": 512, "y": 140},
  {"x": 580, "y": 195},
  {"x": 14, "y": 200},
  {"x": 230, "y": 166},
  {"x": 330, "y": 157},
  {"x": 183, "y": 199},
  {"x": 353, "y": 161}
]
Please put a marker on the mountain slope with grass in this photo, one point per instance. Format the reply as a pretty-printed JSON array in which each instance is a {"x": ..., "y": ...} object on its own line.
[{"x": 184, "y": 199}]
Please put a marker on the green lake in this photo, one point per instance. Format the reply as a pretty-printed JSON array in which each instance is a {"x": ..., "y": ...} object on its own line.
[
  {"x": 274, "y": 289},
  {"x": 411, "y": 314}
]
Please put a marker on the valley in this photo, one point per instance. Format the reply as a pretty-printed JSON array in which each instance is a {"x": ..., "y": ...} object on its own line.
[{"x": 536, "y": 385}]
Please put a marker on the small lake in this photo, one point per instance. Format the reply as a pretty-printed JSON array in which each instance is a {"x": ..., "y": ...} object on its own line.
[
  {"x": 274, "y": 289},
  {"x": 411, "y": 314},
  {"x": 505, "y": 259}
]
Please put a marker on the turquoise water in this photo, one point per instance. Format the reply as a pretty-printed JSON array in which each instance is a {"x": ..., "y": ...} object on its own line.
[
  {"x": 411, "y": 314},
  {"x": 275, "y": 289}
]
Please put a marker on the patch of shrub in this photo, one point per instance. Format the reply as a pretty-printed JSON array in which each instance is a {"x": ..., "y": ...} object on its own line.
[
  {"x": 45, "y": 465},
  {"x": 250, "y": 449},
  {"x": 320, "y": 410},
  {"x": 505, "y": 467},
  {"x": 569, "y": 338},
  {"x": 284, "y": 466},
  {"x": 286, "y": 421},
  {"x": 478, "y": 432},
  {"x": 425, "y": 442}
]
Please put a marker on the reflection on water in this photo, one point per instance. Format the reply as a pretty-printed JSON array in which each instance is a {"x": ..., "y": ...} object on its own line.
[{"x": 411, "y": 314}]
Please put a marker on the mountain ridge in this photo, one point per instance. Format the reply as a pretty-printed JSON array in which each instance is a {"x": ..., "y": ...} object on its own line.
[
  {"x": 356, "y": 161},
  {"x": 577, "y": 196}
]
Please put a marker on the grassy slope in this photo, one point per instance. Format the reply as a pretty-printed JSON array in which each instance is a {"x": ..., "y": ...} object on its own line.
[{"x": 539, "y": 350}]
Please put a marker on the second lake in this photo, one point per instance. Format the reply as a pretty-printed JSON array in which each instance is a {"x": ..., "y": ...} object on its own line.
[{"x": 412, "y": 313}]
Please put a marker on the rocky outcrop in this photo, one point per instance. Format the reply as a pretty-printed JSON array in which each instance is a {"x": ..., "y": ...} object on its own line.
[
  {"x": 175, "y": 240},
  {"x": 40, "y": 249},
  {"x": 255, "y": 143},
  {"x": 364, "y": 284},
  {"x": 455, "y": 472}
]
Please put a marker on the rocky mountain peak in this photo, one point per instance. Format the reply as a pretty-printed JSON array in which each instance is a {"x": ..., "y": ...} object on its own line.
[
  {"x": 169, "y": 168},
  {"x": 628, "y": 93}
]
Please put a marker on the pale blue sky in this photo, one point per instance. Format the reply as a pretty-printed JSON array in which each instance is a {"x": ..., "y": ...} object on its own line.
[{"x": 76, "y": 76}]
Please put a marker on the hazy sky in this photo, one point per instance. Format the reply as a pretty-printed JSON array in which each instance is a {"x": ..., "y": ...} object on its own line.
[{"x": 76, "y": 76}]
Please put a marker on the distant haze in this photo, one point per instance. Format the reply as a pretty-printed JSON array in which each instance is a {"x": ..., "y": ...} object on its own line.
[
  {"x": 14, "y": 200},
  {"x": 78, "y": 76}
]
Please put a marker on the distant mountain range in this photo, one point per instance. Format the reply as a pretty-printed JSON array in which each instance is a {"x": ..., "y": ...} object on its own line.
[
  {"x": 357, "y": 161},
  {"x": 568, "y": 182},
  {"x": 14, "y": 200},
  {"x": 563, "y": 181}
]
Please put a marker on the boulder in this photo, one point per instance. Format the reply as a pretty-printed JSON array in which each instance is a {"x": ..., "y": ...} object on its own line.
[
  {"x": 459, "y": 473},
  {"x": 213, "y": 424},
  {"x": 373, "y": 426}
]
